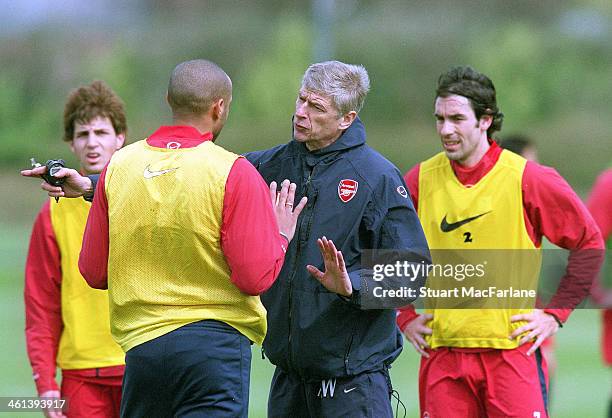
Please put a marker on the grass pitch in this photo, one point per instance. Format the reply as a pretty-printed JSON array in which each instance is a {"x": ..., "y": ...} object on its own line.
[{"x": 581, "y": 387}]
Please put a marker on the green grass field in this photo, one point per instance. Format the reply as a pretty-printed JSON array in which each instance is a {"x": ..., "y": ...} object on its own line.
[{"x": 581, "y": 387}]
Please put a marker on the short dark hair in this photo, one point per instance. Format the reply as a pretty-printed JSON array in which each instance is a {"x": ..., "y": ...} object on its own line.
[
  {"x": 477, "y": 88},
  {"x": 516, "y": 143},
  {"x": 91, "y": 101},
  {"x": 195, "y": 85}
]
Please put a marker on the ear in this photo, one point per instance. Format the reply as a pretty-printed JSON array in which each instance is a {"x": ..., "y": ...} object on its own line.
[
  {"x": 120, "y": 141},
  {"x": 217, "y": 109},
  {"x": 485, "y": 122},
  {"x": 71, "y": 145},
  {"x": 347, "y": 120}
]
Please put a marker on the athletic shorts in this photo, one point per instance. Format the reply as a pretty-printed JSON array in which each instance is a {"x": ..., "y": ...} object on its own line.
[
  {"x": 458, "y": 383},
  {"x": 90, "y": 397}
]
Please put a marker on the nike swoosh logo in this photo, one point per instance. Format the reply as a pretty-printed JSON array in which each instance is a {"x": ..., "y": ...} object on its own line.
[
  {"x": 349, "y": 390},
  {"x": 148, "y": 174},
  {"x": 446, "y": 227}
]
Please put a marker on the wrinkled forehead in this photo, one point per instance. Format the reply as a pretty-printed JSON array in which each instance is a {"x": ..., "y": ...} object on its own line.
[
  {"x": 453, "y": 104},
  {"x": 314, "y": 95}
]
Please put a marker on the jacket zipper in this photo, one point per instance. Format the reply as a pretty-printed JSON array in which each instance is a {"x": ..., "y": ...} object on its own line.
[
  {"x": 295, "y": 267},
  {"x": 348, "y": 352}
]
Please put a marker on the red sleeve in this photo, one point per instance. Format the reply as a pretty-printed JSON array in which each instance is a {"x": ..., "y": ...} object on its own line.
[
  {"x": 555, "y": 211},
  {"x": 42, "y": 297},
  {"x": 600, "y": 203},
  {"x": 412, "y": 181},
  {"x": 404, "y": 316},
  {"x": 93, "y": 260},
  {"x": 250, "y": 239},
  {"x": 407, "y": 313}
]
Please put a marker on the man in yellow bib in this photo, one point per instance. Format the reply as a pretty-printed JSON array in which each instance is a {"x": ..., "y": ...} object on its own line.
[
  {"x": 474, "y": 195},
  {"x": 184, "y": 235},
  {"x": 67, "y": 322}
]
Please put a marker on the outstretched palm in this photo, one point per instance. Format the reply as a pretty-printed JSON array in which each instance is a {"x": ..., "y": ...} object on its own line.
[{"x": 335, "y": 278}]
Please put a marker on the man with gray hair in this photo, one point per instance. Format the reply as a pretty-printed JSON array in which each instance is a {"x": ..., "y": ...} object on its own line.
[{"x": 331, "y": 353}]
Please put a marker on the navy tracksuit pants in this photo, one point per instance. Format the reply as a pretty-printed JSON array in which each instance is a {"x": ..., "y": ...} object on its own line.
[
  {"x": 199, "y": 370},
  {"x": 367, "y": 395}
]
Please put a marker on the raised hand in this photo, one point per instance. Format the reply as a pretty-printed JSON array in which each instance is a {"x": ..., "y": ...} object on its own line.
[
  {"x": 335, "y": 278},
  {"x": 286, "y": 214}
]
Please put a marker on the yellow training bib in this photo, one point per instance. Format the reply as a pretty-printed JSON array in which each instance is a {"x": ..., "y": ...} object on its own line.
[
  {"x": 166, "y": 267},
  {"x": 486, "y": 216},
  {"x": 86, "y": 340}
]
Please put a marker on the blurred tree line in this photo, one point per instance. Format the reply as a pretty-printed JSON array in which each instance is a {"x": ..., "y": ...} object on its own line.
[{"x": 550, "y": 60}]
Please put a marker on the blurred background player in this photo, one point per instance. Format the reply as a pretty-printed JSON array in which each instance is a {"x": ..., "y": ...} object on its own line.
[
  {"x": 521, "y": 145},
  {"x": 67, "y": 322},
  {"x": 475, "y": 363},
  {"x": 599, "y": 203}
]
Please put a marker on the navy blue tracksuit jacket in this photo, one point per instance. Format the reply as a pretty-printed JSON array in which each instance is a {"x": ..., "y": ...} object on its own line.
[{"x": 358, "y": 199}]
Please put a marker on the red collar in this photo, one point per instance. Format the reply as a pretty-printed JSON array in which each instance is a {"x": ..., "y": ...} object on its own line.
[
  {"x": 469, "y": 176},
  {"x": 178, "y": 137}
]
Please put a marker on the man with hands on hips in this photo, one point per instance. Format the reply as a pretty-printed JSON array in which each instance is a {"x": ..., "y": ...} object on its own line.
[{"x": 476, "y": 196}]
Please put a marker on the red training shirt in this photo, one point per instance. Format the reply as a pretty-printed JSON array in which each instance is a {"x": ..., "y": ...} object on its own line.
[{"x": 253, "y": 248}]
